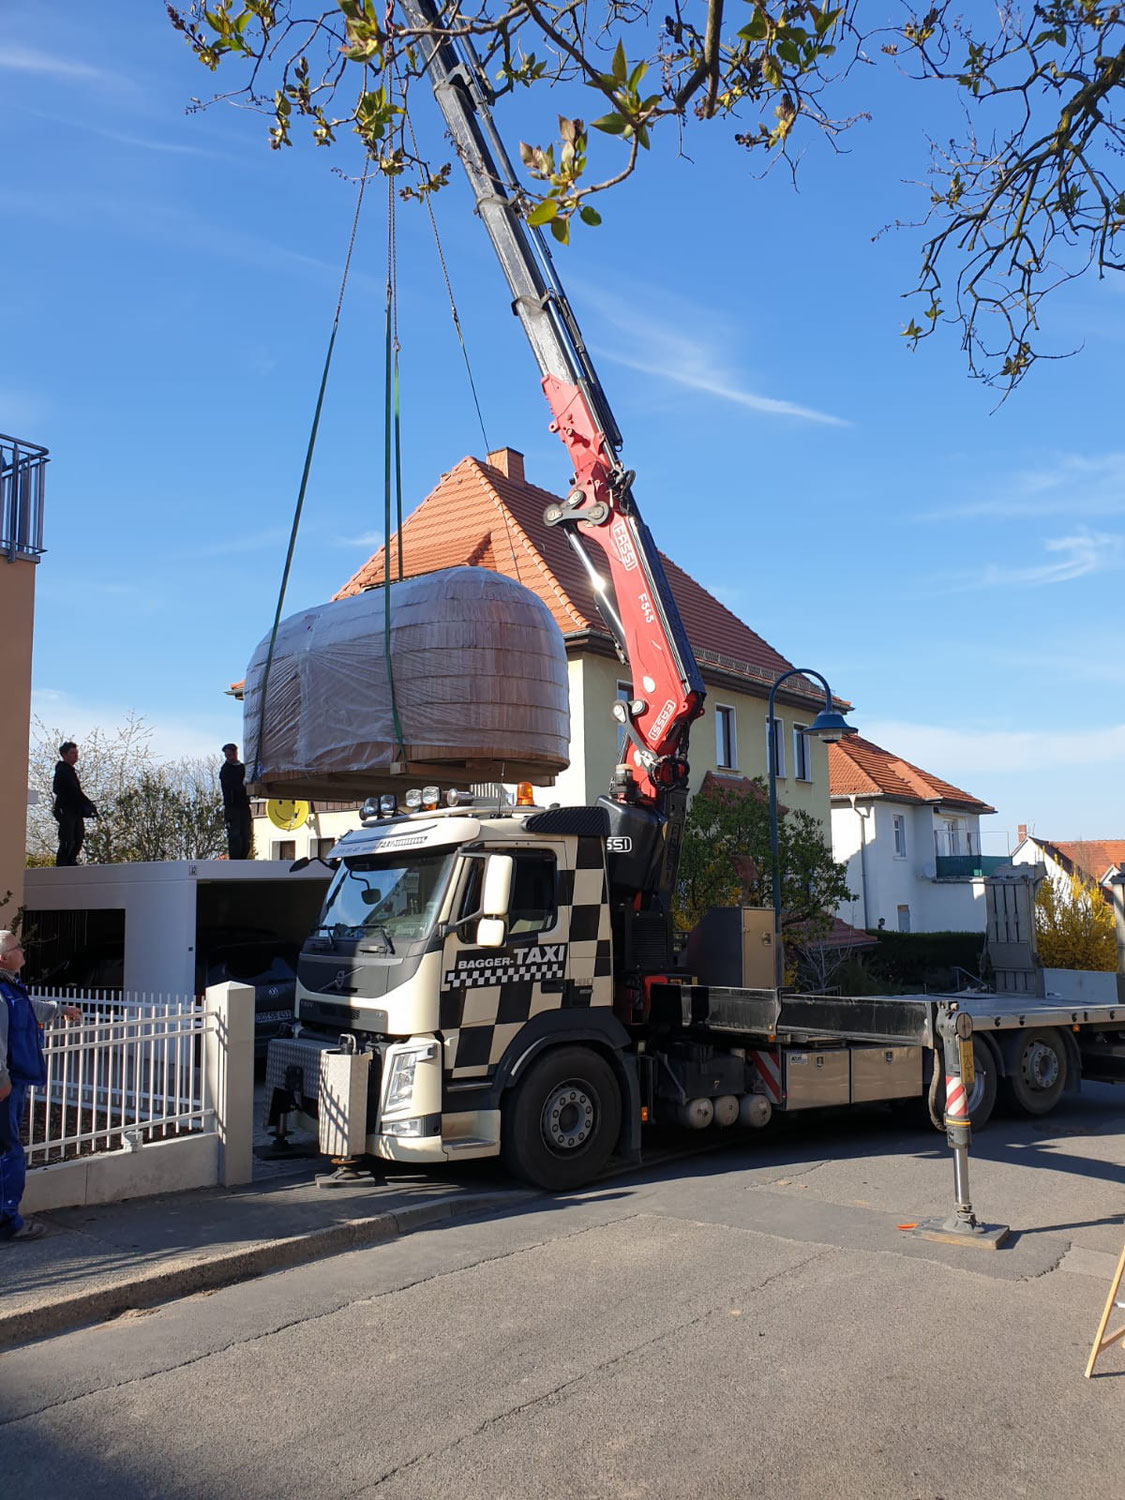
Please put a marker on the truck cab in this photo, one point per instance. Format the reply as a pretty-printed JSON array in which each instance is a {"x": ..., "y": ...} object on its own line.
[{"x": 456, "y": 945}]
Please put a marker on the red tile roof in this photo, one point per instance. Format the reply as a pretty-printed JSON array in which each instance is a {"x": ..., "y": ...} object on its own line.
[
  {"x": 1093, "y": 857},
  {"x": 856, "y": 767},
  {"x": 480, "y": 516}
]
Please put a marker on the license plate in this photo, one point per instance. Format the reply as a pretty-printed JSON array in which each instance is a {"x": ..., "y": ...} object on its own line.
[{"x": 266, "y": 1017}]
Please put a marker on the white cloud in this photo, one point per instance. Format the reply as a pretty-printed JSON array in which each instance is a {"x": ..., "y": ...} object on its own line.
[
  {"x": 16, "y": 59},
  {"x": 122, "y": 138},
  {"x": 1073, "y": 485},
  {"x": 365, "y": 539},
  {"x": 236, "y": 545},
  {"x": 1073, "y": 557},
  {"x": 956, "y": 753},
  {"x": 662, "y": 347},
  {"x": 171, "y": 739}
]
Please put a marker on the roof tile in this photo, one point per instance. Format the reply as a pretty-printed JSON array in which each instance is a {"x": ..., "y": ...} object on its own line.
[
  {"x": 859, "y": 768},
  {"x": 478, "y": 515},
  {"x": 1093, "y": 857}
]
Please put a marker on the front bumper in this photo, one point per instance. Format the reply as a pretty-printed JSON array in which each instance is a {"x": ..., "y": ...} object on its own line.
[{"x": 386, "y": 1102}]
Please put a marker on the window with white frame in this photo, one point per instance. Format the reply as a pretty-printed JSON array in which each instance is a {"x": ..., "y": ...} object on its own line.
[
  {"x": 726, "y": 743},
  {"x": 899, "y": 824},
  {"x": 802, "y": 753},
  {"x": 624, "y": 694},
  {"x": 776, "y": 753},
  {"x": 284, "y": 849},
  {"x": 904, "y": 919}
]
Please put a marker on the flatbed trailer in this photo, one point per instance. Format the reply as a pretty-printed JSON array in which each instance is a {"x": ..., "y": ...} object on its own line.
[{"x": 1028, "y": 1050}]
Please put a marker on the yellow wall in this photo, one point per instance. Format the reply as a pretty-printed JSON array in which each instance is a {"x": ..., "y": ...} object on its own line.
[
  {"x": 593, "y": 743},
  {"x": 17, "y": 609}
]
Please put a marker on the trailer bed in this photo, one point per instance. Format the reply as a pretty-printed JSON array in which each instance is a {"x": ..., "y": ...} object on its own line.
[{"x": 893, "y": 1020}]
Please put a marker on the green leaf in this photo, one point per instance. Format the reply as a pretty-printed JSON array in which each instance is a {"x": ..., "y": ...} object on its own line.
[
  {"x": 620, "y": 65},
  {"x": 755, "y": 28},
  {"x": 610, "y": 124},
  {"x": 589, "y": 216},
  {"x": 560, "y": 228},
  {"x": 542, "y": 213}
]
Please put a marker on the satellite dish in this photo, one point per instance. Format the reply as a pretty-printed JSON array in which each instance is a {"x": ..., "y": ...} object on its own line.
[{"x": 286, "y": 814}]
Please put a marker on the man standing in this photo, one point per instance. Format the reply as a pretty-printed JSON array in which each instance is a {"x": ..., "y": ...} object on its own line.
[
  {"x": 71, "y": 806},
  {"x": 236, "y": 804},
  {"x": 22, "y": 1066}
]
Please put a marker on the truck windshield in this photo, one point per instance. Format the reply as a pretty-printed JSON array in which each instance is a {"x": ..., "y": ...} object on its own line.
[{"x": 377, "y": 896}]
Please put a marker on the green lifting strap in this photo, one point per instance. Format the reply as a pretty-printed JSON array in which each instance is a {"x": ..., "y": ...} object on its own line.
[
  {"x": 391, "y": 436},
  {"x": 257, "y": 768}
]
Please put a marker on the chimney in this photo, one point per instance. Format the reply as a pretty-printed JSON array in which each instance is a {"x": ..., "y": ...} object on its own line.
[
  {"x": 1021, "y": 833},
  {"x": 510, "y": 462}
]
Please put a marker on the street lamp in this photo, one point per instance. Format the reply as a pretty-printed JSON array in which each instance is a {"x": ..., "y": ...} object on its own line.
[{"x": 829, "y": 726}]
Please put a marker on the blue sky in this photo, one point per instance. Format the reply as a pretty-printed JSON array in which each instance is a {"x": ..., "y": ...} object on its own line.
[{"x": 167, "y": 286}]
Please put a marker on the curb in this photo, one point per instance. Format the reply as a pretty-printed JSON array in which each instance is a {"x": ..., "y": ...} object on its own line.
[{"x": 167, "y": 1285}]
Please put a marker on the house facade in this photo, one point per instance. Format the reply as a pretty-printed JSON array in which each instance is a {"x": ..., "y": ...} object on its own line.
[
  {"x": 484, "y": 513},
  {"x": 22, "y": 473},
  {"x": 910, "y": 840},
  {"x": 1096, "y": 860}
]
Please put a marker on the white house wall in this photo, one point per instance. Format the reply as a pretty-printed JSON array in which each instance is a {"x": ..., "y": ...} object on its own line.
[{"x": 894, "y": 881}]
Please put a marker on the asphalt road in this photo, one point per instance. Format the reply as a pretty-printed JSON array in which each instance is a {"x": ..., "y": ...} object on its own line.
[{"x": 750, "y": 1323}]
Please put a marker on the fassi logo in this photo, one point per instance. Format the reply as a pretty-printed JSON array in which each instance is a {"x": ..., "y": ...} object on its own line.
[
  {"x": 625, "y": 550},
  {"x": 658, "y": 724}
]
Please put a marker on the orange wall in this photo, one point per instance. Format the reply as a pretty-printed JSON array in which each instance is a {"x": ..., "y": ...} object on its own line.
[{"x": 17, "y": 610}]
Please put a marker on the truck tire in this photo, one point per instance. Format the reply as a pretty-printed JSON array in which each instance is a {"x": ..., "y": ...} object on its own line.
[
  {"x": 561, "y": 1121},
  {"x": 982, "y": 1095},
  {"x": 1037, "y": 1072}
]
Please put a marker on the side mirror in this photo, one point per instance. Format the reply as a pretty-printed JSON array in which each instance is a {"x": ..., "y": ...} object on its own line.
[
  {"x": 492, "y": 932},
  {"x": 371, "y": 896},
  {"x": 496, "y": 887},
  {"x": 300, "y": 864}
]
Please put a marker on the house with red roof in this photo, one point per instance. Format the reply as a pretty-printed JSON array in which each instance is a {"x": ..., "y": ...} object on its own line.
[
  {"x": 1095, "y": 860},
  {"x": 484, "y": 513},
  {"x": 910, "y": 840}
]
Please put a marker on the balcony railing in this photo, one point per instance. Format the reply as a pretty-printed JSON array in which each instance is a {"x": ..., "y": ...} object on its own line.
[
  {"x": 23, "y": 471},
  {"x": 960, "y": 866}
]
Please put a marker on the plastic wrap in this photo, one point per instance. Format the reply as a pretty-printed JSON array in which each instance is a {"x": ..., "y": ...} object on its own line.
[{"x": 480, "y": 683}]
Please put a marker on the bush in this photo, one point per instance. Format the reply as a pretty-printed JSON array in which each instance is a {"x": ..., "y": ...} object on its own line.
[{"x": 926, "y": 960}]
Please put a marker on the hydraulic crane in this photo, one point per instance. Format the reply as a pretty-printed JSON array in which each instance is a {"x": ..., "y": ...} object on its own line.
[{"x": 599, "y": 510}]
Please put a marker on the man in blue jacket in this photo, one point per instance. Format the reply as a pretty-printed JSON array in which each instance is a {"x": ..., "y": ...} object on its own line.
[{"x": 22, "y": 1066}]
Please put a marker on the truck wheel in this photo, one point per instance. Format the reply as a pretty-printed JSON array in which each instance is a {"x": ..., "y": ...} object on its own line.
[
  {"x": 982, "y": 1095},
  {"x": 1037, "y": 1074},
  {"x": 561, "y": 1121}
]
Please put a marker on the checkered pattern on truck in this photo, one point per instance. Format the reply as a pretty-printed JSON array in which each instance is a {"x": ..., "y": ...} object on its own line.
[{"x": 489, "y": 995}]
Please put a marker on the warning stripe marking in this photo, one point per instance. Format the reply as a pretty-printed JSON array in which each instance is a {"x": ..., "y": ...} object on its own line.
[
  {"x": 768, "y": 1065},
  {"x": 956, "y": 1100}
]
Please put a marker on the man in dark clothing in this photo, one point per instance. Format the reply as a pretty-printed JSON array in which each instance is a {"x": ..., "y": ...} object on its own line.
[
  {"x": 236, "y": 804},
  {"x": 71, "y": 805},
  {"x": 22, "y": 1066}
]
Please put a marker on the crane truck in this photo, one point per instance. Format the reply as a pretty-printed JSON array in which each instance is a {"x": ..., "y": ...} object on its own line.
[{"x": 487, "y": 979}]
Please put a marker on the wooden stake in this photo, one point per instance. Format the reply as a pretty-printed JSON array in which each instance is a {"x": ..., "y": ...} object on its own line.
[{"x": 1100, "y": 1341}]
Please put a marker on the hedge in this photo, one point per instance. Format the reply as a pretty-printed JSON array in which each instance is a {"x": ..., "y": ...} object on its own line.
[{"x": 929, "y": 959}]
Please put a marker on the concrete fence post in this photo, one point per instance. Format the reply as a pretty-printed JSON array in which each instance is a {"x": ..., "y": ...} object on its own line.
[{"x": 228, "y": 1060}]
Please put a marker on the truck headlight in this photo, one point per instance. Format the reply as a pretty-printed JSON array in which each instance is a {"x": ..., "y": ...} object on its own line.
[{"x": 400, "y": 1084}]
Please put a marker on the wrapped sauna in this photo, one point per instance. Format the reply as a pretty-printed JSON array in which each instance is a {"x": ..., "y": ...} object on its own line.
[{"x": 479, "y": 678}]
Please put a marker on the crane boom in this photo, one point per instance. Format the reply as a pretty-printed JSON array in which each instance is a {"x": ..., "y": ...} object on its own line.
[{"x": 636, "y": 600}]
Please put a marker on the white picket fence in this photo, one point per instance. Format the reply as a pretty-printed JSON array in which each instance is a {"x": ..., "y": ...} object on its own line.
[{"x": 130, "y": 1072}]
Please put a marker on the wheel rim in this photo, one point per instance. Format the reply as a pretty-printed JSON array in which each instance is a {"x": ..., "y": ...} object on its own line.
[
  {"x": 1040, "y": 1066},
  {"x": 569, "y": 1115},
  {"x": 980, "y": 1076}
]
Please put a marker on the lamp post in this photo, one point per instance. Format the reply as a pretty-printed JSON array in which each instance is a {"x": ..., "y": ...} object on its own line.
[{"x": 828, "y": 726}]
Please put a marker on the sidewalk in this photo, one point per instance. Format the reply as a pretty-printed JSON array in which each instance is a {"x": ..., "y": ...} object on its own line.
[{"x": 99, "y": 1261}]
